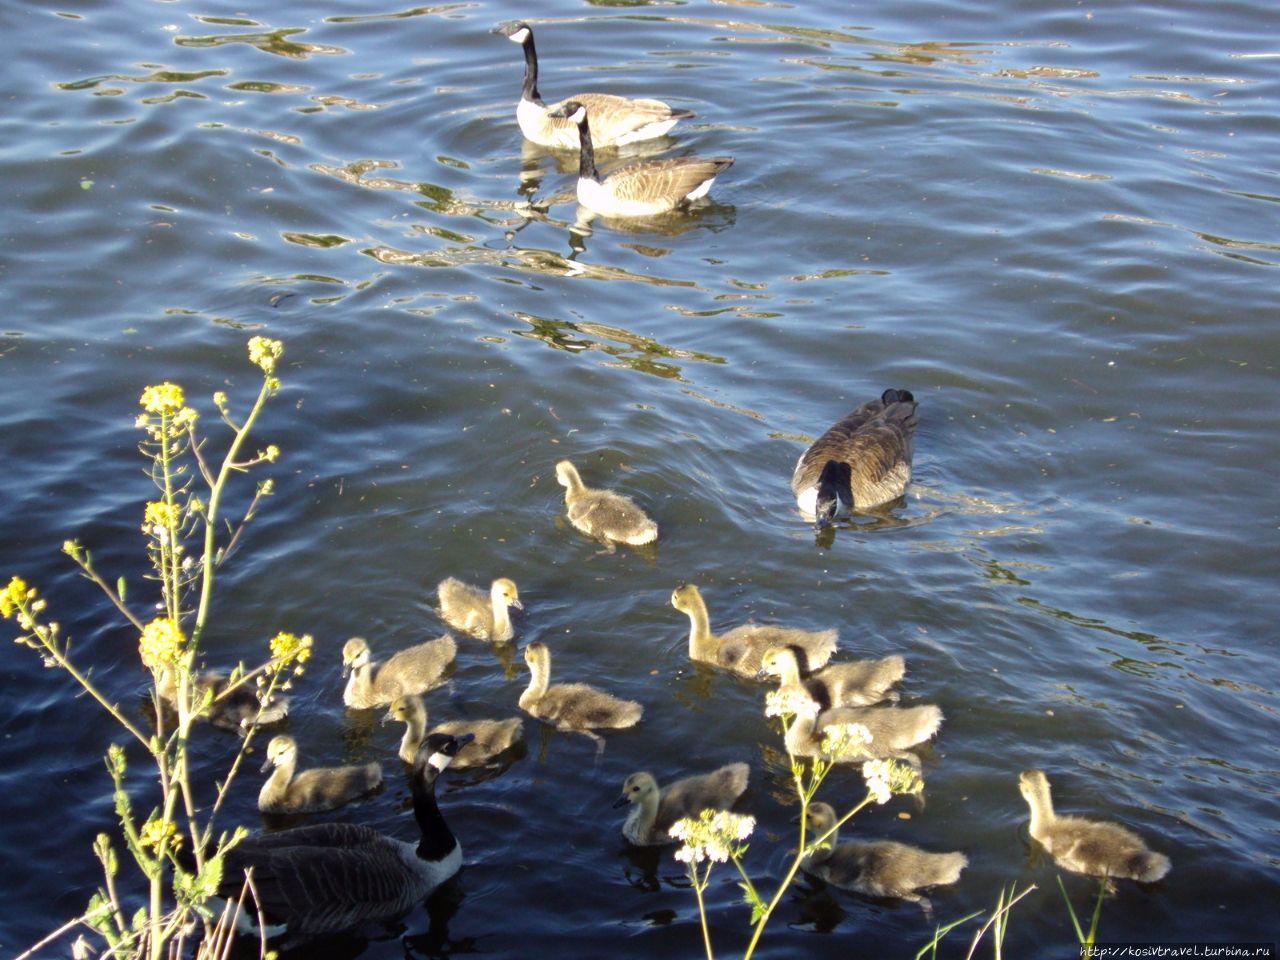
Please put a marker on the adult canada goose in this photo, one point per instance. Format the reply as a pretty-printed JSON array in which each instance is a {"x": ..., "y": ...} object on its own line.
[
  {"x": 618, "y": 120},
  {"x": 893, "y": 730},
  {"x": 1095, "y": 847},
  {"x": 862, "y": 461},
  {"x": 653, "y": 811},
  {"x": 572, "y": 706},
  {"x": 412, "y": 670},
  {"x": 489, "y": 737},
  {"x": 603, "y": 514},
  {"x": 333, "y": 877},
  {"x": 857, "y": 683},
  {"x": 640, "y": 188},
  {"x": 233, "y": 707},
  {"x": 311, "y": 791},
  {"x": 878, "y": 868},
  {"x": 742, "y": 648},
  {"x": 480, "y": 614}
]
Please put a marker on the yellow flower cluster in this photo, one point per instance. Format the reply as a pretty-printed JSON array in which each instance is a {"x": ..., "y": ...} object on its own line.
[
  {"x": 155, "y": 832},
  {"x": 264, "y": 353},
  {"x": 288, "y": 648},
  {"x": 714, "y": 835},
  {"x": 841, "y": 741},
  {"x": 162, "y": 643},
  {"x": 159, "y": 516},
  {"x": 165, "y": 398},
  {"x": 15, "y": 596}
]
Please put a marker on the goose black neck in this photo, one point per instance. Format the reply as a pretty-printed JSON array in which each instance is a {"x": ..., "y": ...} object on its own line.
[
  {"x": 530, "y": 89},
  {"x": 437, "y": 839},
  {"x": 586, "y": 155}
]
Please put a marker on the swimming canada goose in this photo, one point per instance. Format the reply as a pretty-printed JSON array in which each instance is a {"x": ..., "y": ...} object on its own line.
[
  {"x": 577, "y": 707},
  {"x": 333, "y": 877},
  {"x": 862, "y": 461},
  {"x": 893, "y": 730},
  {"x": 857, "y": 683},
  {"x": 640, "y": 188},
  {"x": 489, "y": 737},
  {"x": 878, "y": 868},
  {"x": 232, "y": 707},
  {"x": 742, "y": 648},
  {"x": 480, "y": 614},
  {"x": 603, "y": 514},
  {"x": 1094, "y": 847},
  {"x": 311, "y": 791},
  {"x": 412, "y": 670},
  {"x": 618, "y": 120},
  {"x": 653, "y": 811}
]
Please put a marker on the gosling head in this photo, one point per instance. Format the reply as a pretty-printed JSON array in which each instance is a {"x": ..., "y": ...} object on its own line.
[
  {"x": 355, "y": 654},
  {"x": 570, "y": 110},
  {"x": 279, "y": 750},
  {"x": 683, "y": 597},
  {"x": 819, "y": 818},
  {"x": 517, "y": 31},
  {"x": 771, "y": 664},
  {"x": 404, "y": 709},
  {"x": 636, "y": 787},
  {"x": 567, "y": 474},
  {"x": 505, "y": 591},
  {"x": 536, "y": 654},
  {"x": 1034, "y": 786}
]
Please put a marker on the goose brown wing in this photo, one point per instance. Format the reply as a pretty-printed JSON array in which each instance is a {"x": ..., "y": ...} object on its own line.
[
  {"x": 614, "y": 117},
  {"x": 676, "y": 177},
  {"x": 875, "y": 440}
]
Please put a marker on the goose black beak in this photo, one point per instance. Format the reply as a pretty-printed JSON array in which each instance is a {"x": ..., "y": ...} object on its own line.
[{"x": 621, "y": 801}]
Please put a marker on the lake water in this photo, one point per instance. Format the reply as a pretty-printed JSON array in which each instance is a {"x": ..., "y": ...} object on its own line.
[{"x": 1055, "y": 223}]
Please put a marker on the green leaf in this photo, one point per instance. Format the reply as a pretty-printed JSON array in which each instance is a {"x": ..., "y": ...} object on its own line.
[
  {"x": 120, "y": 585},
  {"x": 107, "y": 854},
  {"x": 139, "y": 920},
  {"x": 86, "y": 184}
]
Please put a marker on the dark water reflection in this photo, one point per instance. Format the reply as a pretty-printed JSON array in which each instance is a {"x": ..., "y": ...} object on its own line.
[{"x": 1056, "y": 225}]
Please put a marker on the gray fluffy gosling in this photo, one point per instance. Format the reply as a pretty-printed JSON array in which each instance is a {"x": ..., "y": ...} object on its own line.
[
  {"x": 232, "y": 707},
  {"x": 857, "y": 683},
  {"x": 862, "y": 461},
  {"x": 878, "y": 868},
  {"x": 653, "y": 811},
  {"x": 742, "y": 648},
  {"x": 413, "y": 670},
  {"x": 478, "y": 613},
  {"x": 578, "y": 707},
  {"x": 330, "y": 878},
  {"x": 603, "y": 514},
  {"x": 1094, "y": 847},
  {"x": 618, "y": 120},
  {"x": 315, "y": 790},
  {"x": 641, "y": 188},
  {"x": 490, "y": 737},
  {"x": 893, "y": 730}
]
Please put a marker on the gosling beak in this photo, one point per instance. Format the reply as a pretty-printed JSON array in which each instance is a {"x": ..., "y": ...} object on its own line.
[
  {"x": 346, "y": 669},
  {"x": 517, "y": 604},
  {"x": 267, "y": 765},
  {"x": 621, "y": 801},
  {"x": 762, "y": 674},
  {"x": 387, "y": 718}
]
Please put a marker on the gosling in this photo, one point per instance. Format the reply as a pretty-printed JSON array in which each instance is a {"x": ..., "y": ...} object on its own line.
[
  {"x": 576, "y": 707},
  {"x": 233, "y": 706},
  {"x": 479, "y": 614},
  {"x": 858, "y": 683},
  {"x": 653, "y": 811},
  {"x": 1094, "y": 847},
  {"x": 879, "y": 868},
  {"x": 893, "y": 731},
  {"x": 415, "y": 669},
  {"x": 491, "y": 737},
  {"x": 742, "y": 648},
  {"x": 603, "y": 514},
  {"x": 315, "y": 790}
]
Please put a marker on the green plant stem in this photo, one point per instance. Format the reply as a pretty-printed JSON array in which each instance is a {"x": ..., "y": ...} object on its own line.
[
  {"x": 61, "y": 660},
  {"x": 702, "y": 910},
  {"x": 211, "y": 512},
  {"x": 114, "y": 597}
]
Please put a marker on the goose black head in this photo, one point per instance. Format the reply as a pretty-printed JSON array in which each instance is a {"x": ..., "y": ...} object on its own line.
[
  {"x": 517, "y": 31},
  {"x": 439, "y": 749},
  {"x": 569, "y": 110},
  {"x": 833, "y": 488}
]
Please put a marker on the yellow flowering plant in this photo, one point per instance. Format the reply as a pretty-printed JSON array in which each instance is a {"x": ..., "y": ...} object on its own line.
[{"x": 187, "y": 542}]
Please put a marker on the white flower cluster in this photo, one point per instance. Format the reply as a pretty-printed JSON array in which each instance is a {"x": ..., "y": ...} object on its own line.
[{"x": 713, "y": 835}]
